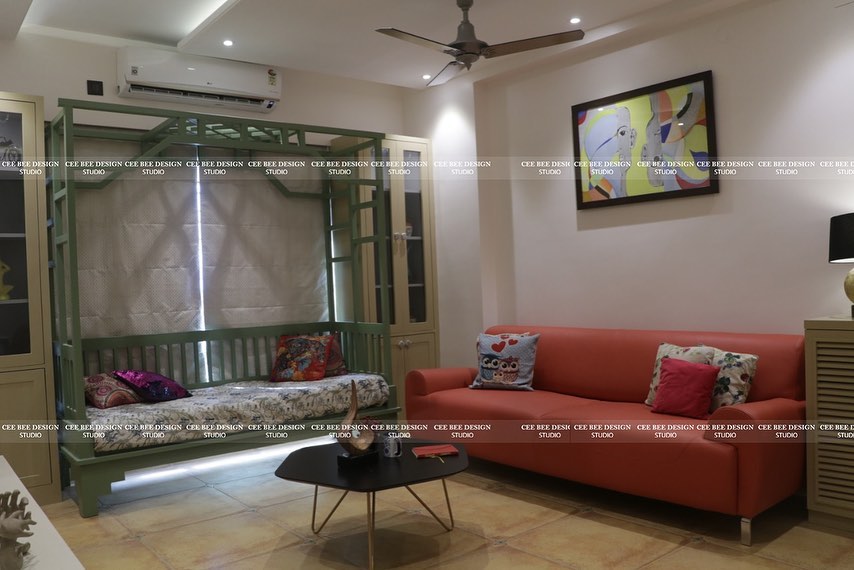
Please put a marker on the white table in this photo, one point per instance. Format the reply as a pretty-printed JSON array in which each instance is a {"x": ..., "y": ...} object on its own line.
[{"x": 47, "y": 549}]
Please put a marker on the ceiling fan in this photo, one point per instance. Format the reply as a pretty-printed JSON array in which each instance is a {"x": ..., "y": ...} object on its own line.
[{"x": 467, "y": 49}]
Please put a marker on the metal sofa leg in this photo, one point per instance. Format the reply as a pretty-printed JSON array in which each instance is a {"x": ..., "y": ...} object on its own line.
[{"x": 746, "y": 535}]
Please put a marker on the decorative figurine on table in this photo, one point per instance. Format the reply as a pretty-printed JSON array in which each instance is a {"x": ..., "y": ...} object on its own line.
[
  {"x": 4, "y": 289},
  {"x": 357, "y": 440},
  {"x": 15, "y": 522}
]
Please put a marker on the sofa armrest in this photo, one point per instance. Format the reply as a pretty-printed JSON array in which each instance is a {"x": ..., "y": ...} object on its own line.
[
  {"x": 424, "y": 381},
  {"x": 768, "y": 470},
  {"x": 775, "y": 409}
]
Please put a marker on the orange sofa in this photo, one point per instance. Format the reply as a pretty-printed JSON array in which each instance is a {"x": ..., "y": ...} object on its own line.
[{"x": 585, "y": 376}]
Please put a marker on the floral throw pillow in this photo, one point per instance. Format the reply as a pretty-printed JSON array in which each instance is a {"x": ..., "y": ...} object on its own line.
[
  {"x": 103, "y": 391},
  {"x": 150, "y": 386},
  {"x": 734, "y": 379},
  {"x": 695, "y": 354},
  {"x": 300, "y": 358},
  {"x": 506, "y": 361}
]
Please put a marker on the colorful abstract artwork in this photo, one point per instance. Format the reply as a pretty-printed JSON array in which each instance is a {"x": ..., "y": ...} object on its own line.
[{"x": 647, "y": 144}]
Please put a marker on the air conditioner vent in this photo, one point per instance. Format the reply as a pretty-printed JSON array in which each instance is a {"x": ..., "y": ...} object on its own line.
[{"x": 207, "y": 98}]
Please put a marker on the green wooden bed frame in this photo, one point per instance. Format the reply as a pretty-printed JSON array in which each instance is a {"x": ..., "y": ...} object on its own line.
[{"x": 238, "y": 354}]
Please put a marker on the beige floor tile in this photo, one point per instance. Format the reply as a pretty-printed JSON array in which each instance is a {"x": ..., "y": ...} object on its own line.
[
  {"x": 404, "y": 541},
  {"x": 127, "y": 555},
  {"x": 351, "y": 514},
  {"x": 91, "y": 532},
  {"x": 299, "y": 556},
  {"x": 219, "y": 541},
  {"x": 264, "y": 490},
  {"x": 812, "y": 548},
  {"x": 594, "y": 541},
  {"x": 501, "y": 513},
  {"x": 431, "y": 492},
  {"x": 499, "y": 557},
  {"x": 175, "y": 509},
  {"x": 700, "y": 554}
]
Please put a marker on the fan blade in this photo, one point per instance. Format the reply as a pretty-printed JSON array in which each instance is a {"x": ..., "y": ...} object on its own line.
[
  {"x": 417, "y": 40},
  {"x": 532, "y": 43},
  {"x": 448, "y": 72}
]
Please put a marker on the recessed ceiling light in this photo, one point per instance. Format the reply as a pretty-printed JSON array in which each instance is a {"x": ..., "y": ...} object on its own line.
[
  {"x": 575, "y": 20},
  {"x": 227, "y": 43},
  {"x": 426, "y": 76},
  {"x": 191, "y": 69}
]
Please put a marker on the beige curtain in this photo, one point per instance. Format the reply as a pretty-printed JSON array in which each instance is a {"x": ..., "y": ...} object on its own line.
[{"x": 262, "y": 254}]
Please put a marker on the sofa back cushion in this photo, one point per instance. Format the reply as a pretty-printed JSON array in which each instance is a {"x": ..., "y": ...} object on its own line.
[{"x": 616, "y": 364}]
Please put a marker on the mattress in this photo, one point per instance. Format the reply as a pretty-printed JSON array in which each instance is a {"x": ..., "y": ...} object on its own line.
[{"x": 229, "y": 408}]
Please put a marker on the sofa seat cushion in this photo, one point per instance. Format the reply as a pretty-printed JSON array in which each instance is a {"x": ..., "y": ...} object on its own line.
[
  {"x": 666, "y": 469},
  {"x": 468, "y": 404}
]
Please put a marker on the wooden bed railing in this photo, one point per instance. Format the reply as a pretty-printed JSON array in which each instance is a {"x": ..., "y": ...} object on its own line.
[{"x": 197, "y": 359}]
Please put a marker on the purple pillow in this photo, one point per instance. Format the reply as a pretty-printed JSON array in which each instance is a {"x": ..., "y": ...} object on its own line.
[{"x": 150, "y": 386}]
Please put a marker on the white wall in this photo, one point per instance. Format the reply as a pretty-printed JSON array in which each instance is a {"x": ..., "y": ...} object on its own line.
[
  {"x": 446, "y": 115},
  {"x": 58, "y": 68},
  {"x": 752, "y": 258}
]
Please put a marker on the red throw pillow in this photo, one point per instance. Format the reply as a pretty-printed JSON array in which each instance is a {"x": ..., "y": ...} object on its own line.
[{"x": 685, "y": 388}]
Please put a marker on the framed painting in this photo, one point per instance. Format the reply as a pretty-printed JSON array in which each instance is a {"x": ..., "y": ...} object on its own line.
[{"x": 652, "y": 143}]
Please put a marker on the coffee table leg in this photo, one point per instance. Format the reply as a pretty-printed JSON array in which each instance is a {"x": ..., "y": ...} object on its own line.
[
  {"x": 329, "y": 516},
  {"x": 429, "y": 510},
  {"x": 372, "y": 511}
]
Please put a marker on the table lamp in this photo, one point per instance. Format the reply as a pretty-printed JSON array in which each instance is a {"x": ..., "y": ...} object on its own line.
[{"x": 842, "y": 248}]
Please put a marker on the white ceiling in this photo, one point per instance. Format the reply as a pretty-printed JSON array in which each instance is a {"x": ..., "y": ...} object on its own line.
[{"x": 337, "y": 37}]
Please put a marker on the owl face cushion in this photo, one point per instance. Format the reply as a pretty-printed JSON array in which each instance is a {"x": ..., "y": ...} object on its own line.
[{"x": 506, "y": 361}]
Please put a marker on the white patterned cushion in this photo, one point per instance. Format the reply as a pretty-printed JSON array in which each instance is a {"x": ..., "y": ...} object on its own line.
[{"x": 734, "y": 379}]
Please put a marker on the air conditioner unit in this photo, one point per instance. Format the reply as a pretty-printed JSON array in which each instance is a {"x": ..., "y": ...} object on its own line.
[{"x": 163, "y": 75}]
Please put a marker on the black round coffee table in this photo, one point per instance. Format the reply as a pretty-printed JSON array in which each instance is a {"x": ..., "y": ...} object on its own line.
[{"x": 318, "y": 465}]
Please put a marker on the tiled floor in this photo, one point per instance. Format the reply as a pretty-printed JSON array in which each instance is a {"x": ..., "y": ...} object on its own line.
[{"x": 241, "y": 517}]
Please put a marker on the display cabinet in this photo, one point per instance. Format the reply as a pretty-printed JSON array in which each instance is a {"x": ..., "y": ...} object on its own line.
[
  {"x": 829, "y": 348},
  {"x": 26, "y": 371},
  {"x": 406, "y": 187}
]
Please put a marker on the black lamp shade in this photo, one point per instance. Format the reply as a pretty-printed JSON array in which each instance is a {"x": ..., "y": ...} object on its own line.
[{"x": 842, "y": 239}]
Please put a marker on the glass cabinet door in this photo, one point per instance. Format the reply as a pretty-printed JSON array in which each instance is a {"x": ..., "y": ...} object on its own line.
[
  {"x": 411, "y": 239},
  {"x": 19, "y": 275},
  {"x": 408, "y": 236}
]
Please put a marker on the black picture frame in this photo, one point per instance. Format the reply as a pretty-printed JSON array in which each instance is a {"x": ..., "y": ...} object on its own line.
[{"x": 652, "y": 143}]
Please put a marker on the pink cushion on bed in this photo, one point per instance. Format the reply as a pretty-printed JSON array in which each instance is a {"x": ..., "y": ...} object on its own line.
[
  {"x": 335, "y": 364},
  {"x": 150, "y": 386},
  {"x": 104, "y": 391}
]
